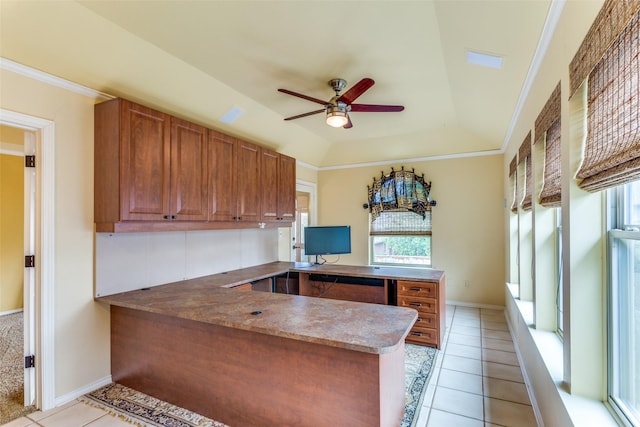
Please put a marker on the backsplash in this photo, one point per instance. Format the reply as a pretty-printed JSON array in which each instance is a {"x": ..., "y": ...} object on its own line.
[{"x": 129, "y": 261}]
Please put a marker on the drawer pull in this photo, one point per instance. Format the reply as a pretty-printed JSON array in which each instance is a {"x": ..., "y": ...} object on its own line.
[
  {"x": 419, "y": 319},
  {"x": 415, "y": 304},
  {"x": 416, "y": 334},
  {"x": 416, "y": 289}
]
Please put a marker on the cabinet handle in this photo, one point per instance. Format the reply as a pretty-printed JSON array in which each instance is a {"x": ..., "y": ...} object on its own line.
[
  {"x": 419, "y": 319},
  {"x": 174, "y": 216},
  {"x": 167, "y": 217},
  {"x": 416, "y": 334},
  {"x": 415, "y": 304},
  {"x": 416, "y": 289}
]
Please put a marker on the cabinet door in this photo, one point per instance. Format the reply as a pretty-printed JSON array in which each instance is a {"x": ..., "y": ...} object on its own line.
[
  {"x": 247, "y": 178},
  {"x": 145, "y": 162},
  {"x": 188, "y": 171},
  {"x": 286, "y": 188},
  {"x": 269, "y": 183},
  {"x": 222, "y": 172}
]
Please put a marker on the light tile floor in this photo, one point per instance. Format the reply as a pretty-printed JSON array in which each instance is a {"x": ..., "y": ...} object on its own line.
[{"x": 476, "y": 382}]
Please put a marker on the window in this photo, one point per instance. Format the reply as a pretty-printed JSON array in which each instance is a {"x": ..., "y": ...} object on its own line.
[
  {"x": 400, "y": 219},
  {"x": 559, "y": 286},
  {"x": 624, "y": 305},
  {"x": 401, "y": 238}
]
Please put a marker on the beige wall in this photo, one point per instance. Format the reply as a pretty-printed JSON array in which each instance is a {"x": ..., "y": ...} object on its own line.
[
  {"x": 81, "y": 327},
  {"x": 11, "y": 231},
  {"x": 468, "y": 233}
]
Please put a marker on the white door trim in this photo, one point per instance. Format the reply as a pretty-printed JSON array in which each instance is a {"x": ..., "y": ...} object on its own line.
[
  {"x": 44, "y": 219},
  {"x": 312, "y": 189},
  {"x": 29, "y": 287}
]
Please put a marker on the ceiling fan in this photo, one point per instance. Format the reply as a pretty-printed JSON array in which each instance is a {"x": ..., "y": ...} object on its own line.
[{"x": 338, "y": 108}]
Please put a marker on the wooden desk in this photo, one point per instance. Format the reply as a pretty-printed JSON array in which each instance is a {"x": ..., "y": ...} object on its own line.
[
  {"x": 420, "y": 289},
  {"x": 299, "y": 362}
]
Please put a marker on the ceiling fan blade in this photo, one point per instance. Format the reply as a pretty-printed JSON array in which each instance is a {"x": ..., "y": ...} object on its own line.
[
  {"x": 376, "y": 108},
  {"x": 349, "y": 125},
  {"x": 299, "y": 95},
  {"x": 310, "y": 113},
  {"x": 358, "y": 89}
]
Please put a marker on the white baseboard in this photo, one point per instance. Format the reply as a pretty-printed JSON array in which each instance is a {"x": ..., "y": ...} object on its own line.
[
  {"x": 525, "y": 376},
  {"x": 66, "y": 398},
  {"x": 475, "y": 305},
  {"x": 4, "y": 313}
]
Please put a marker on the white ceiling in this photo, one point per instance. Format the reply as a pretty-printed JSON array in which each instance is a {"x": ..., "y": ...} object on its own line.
[{"x": 198, "y": 59}]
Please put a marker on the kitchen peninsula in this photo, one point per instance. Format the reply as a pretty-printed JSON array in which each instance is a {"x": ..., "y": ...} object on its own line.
[{"x": 258, "y": 358}]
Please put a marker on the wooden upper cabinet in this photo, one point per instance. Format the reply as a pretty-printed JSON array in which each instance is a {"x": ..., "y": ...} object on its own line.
[
  {"x": 156, "y": 172},
  {"x": 188, "y": 171},
  {"x": 278, "y": 181},
  {"x": 148, "y": 166},
  {"x": 248, "y": 180},
  {"x": 145, "y": 149},
  {"x": 234, "y": 168},
  {"x": 287, "y": 188},
  {"x": 222, "y": 183}
]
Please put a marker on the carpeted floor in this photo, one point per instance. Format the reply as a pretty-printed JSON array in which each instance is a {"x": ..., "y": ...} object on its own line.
[
  {"x": 12, "y": 368},
  {"x": 144, "y": 410}
]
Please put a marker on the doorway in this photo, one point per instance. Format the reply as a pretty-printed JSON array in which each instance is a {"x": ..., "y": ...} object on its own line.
[
  {"x": 305, "y": 215},
  {"x": 16, "y": 282},
  {"x": 38, "y": 301}
]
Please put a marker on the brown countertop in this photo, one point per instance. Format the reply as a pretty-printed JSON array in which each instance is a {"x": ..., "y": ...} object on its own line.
[
  {"x": 370, "y": 328},
  {"x": 398, "y": 273}
]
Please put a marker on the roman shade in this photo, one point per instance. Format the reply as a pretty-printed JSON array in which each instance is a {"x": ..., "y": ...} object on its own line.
[
  {"x": 548, "y": 126},
  {"x": 612, "y": 147},
  {"x": 513, "y": 167},
  {"x": 524, "y": 155}
]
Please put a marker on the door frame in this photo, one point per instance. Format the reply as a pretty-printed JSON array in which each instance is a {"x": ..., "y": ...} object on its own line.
[
  {"x": 310, "y": 188},
  {"x": 42, "y": 310}
]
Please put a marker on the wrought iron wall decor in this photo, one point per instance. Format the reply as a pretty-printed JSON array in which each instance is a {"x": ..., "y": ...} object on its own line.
[{"x": 399, "y": 191}]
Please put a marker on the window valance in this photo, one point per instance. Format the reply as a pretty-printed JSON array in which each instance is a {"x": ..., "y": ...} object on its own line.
[{"x": 399, "y": 191}]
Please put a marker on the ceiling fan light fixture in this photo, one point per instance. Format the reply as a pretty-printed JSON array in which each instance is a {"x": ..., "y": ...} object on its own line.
[{"x": 337, "y": 116}]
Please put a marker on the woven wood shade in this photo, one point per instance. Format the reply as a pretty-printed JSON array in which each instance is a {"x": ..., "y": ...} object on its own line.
[
  {"x": 549, "y": 114},
  {"x": 548, "y": 123},
  {"x": 612, "y": 147},
  {"x": 514, "y": 184},
  {"x": 612, "y": 18},
  {"x": 550, "y": 196},
  {"x": 401, "y": 223},
  {"x": 513, "y": 166},
  {"x": 525, "y": 148},
  {"x": 524, "y": 154}
]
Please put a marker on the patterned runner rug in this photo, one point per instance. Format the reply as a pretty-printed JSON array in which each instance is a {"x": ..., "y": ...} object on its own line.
[{"x": 143, "y": 410}]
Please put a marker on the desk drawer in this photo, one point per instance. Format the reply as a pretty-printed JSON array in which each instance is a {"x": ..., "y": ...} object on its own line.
[
  {"x": 425, "y": 336},
  {"x": 418, "y": 289},
  {"x": 426, "y": 320},
  {"x": 423, "y": 305}
]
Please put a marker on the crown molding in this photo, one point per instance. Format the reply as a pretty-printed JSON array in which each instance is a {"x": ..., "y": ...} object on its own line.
[
  {"x": 415, "y": 160},
  {"x": 9, "y": 65}
]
